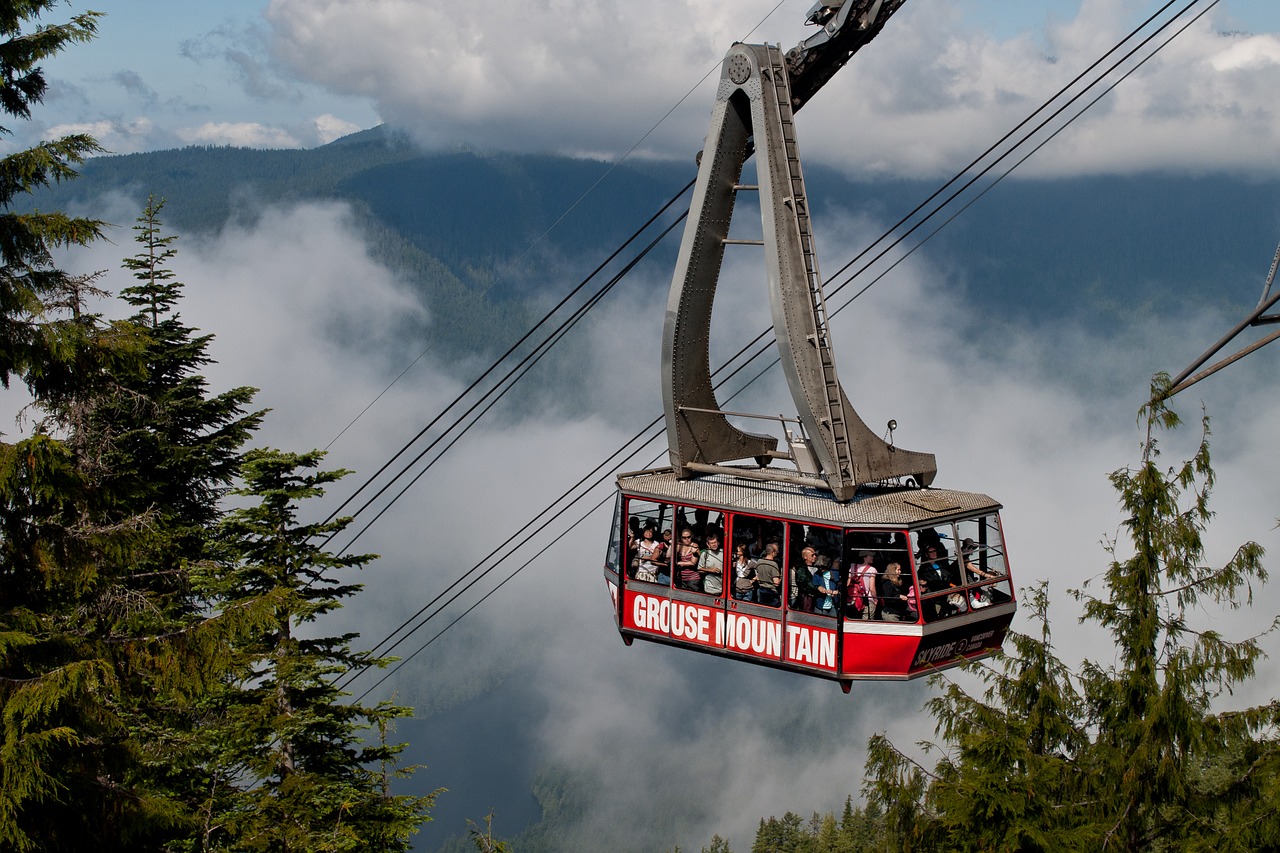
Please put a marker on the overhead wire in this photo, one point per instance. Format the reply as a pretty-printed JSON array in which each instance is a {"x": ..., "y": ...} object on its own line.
[
  {"x": 457, "y": 400},
  {"x": 524, "y": 367},
  {"x": 405, "y": 660},
  {"x": 382, "y": 650},
  {"x": 1023, "y": 159}
]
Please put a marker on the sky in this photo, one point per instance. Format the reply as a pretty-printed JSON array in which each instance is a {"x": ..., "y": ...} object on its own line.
[
  {"x": 591, "y": 79},
  {"x": 677, "y": 746}
]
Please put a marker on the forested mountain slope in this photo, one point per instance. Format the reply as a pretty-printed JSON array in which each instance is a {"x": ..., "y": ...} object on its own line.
[{"x": 479, "y": 233}]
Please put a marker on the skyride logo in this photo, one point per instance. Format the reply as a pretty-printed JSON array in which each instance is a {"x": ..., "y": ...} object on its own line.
[
  {"x": 738, "y": 632},
  {"x": 962, "y": 647}
]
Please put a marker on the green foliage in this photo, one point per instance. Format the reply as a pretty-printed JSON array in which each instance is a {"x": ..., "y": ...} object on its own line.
[
  {"x": 149, "y": 664},
  {"x": 105, "y": 510},
  {"x": 483, "y": 838},
  {"x": 1127, "y": 755},
  {"x": 320, "y": 782},
  {"x": 717, "y": 845},
  {"x": 28, "y": 278}
]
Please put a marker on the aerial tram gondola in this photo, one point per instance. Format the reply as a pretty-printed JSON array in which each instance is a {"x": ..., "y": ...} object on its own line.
[{"x": 850, "y": 505}]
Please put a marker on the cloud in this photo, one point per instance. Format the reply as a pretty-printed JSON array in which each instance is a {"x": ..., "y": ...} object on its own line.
[
  {"x": 132, "y": 82},
  {"x": 576, "y": 77},
  {"x": 116, "y": 136},
  {"x": 329, "y": 127},
  {"x": 243, "y": 51},
  {"x": 247, "y": 134}
]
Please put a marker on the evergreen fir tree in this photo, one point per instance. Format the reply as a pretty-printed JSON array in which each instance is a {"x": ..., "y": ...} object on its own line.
[
  {"x": 29, "y": 345},
  {"x": 1128, "y": 756},
  {"x": 717, "y": 845},
  {"x": 64, "y": 749},
  {"x": 110, "y": 647},
  {"x": 321, "y": 784}
]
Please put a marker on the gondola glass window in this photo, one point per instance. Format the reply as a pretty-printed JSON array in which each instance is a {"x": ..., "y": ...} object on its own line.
[{"x": 960, "y": 567}]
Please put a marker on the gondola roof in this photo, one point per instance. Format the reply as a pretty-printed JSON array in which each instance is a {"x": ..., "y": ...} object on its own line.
[{"x": 885, "y": 507}]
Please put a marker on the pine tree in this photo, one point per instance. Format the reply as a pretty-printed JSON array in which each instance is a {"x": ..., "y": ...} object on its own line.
[
  {"x": 1126, "y": 756},
  {"x": 320, "y": 783},
  {"x": 783, "y": 835},
  {"x": 63, "y": 744},
  {"x": 1153, "y": 707},
  {"x": 29, "y": 279},
  {"x": 108, "y": 511}
]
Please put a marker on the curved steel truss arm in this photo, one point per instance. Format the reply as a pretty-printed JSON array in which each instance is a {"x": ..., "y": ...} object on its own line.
[{"x": 753, "y": 106}]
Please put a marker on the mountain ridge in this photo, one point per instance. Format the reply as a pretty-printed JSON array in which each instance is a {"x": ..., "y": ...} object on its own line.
[{"x": 481, "y": 234}]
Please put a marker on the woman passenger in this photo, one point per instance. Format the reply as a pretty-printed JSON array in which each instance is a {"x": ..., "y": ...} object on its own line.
[
  {"x": 649, "y": 550},
  {"x": 895, "y": 594},
  {"x": 687, "y": 561},
  {"x": 744, "y": 574}
]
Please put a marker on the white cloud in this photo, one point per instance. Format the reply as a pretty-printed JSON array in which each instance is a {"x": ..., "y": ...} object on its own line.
[
  {"x": 117, "y": 137},
  {"x": 546, "y": 75},
  {"x": 1250, "y": 52},
  {"x": 932, "y": 91},
  {"x": 329, "y": 127},
  {"x": 247, "y": 134}
]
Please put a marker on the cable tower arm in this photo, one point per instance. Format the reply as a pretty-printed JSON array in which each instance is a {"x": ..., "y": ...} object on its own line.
[{"x": 846, "y": 27}]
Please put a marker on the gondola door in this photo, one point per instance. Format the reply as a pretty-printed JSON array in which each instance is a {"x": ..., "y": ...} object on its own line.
[
  {"x": 697, "y": 577},
  {"x": 815, "y": 581},
  {"x": 677, "y": 596},
  {"x": 753, "y": 606}
]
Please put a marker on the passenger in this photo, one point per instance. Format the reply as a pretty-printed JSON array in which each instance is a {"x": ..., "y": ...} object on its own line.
[
  {"x": 711, "y": 565},
  {"x": 801, "y": 588},
  {"x": 855, "y": 598},
  {"x": 933, "y": 574},
  {"x": 687, "y": 561},
  {"x": 986, "y": 595},
  {"x": 930, "y": 536},
  {"x": 744, "y": 575},
  {"x": 633, "y": 531},
  {"x": 866, "y": 575},
  {"x": 664, "y": 541},
  {"x": 826, "y": 585},
  {"x": 896, "y": 596},
  {"x": 768, "y": 576},
  {"x": 974, "y": 573},
  {"x": 633, "y": 559},
  {"x": 649, "y": 550},
  {"x": 934, "y": 577},
  {"x": 664, "y": 558}
]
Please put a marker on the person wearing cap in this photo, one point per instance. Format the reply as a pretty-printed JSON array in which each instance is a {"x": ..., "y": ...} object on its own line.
[{"x": 967, "y": 549}]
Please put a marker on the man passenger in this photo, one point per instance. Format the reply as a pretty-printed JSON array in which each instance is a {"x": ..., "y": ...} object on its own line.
[
  {"x": 711, "y": 565},
  {"x": 769, "y": 576}
]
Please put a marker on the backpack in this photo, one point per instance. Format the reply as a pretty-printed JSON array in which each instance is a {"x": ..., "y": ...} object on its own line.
[{"x": 858, "y": 596}]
